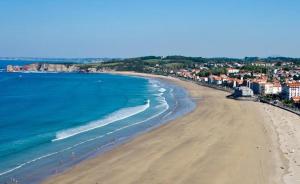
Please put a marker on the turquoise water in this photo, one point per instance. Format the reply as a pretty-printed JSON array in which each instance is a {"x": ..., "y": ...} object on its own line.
[{"x": 50, "y": 121}]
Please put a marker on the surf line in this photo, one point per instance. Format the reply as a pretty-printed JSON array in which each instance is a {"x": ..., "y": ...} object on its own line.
[{"x": 111, "y": 118}]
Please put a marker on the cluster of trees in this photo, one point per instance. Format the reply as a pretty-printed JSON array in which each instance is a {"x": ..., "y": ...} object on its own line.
[
  {"x": 255, "y": 69},
  {"x": 155, "y": 63}
]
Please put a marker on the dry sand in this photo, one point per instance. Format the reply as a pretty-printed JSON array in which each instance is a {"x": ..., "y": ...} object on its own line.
[
  {"x": 222, "y": 141},
  {"x": 287, "y": 127}
]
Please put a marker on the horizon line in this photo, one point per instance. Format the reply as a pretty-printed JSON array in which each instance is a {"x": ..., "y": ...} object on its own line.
[{"x": 211, "y": 57}]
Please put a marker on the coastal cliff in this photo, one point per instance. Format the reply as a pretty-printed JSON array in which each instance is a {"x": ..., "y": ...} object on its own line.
[{"x": 45, "y": 67}]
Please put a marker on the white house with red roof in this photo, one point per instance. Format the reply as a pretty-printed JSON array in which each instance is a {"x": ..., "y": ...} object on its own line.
[{"x": 291, "y": 89}]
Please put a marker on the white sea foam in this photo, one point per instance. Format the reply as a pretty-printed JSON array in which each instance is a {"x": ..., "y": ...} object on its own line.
[
  {"x": 166, "y": 107},
  {"x": 154, "y": 83},
  {"x": 49, "y": 155},
  {"x": 162, "y": 90},
  {"x": 115, "y": 116},
  {"x": 158, "y": 94}
]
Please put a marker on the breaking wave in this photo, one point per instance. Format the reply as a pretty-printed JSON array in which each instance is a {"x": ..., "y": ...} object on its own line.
[
  {"x": 113, "y": 117},
  {"x": 162, "y": 90}
]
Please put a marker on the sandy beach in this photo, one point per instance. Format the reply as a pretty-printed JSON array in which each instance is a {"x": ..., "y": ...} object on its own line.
[
  {"x": 221, "y": 141},
  {"x": 287, "y": 126}
]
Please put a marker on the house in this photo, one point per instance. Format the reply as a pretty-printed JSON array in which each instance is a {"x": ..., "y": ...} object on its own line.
[
  {"x": 277, "y": 88},
  {"x": 203, "y": 79},
  {"x": 291, "y": 89},
  {"x": 264, "y": 64},
  {"x": 256, "y": 85},
  {"x": 232, "y": 70},
  {"x": 270, "y": 88},
  {"x": 185, "y": 74},
  {"x": 215, "y": 79},
  {"x": 233, "y": 82}
]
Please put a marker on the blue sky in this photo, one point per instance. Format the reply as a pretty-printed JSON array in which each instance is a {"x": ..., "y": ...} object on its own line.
[{"x": 128, "y": 28}]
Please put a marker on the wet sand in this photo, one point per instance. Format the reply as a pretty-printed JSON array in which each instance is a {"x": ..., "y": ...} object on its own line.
[{"x": 221, "y": 141}]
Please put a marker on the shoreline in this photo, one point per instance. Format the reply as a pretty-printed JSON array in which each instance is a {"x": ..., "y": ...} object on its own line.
[
  {"x": 153, "y": 122},
  {"x": 214, "y": 144},
  {"x": 284, "y": 132}
]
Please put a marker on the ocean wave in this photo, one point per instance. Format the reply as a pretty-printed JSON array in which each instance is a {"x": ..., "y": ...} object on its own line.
[
  {"x": 165, "y": 106},
  {"x": 48, "y": 155},
  {"x": 115, "y": 116},
  {"x": 154, "y": 83},
  {"x": 162, "y": 90},
  {"x": 158, "y": 94},
  {"x": 121, "y": 114},
  {"x": 86, "y": 141}
]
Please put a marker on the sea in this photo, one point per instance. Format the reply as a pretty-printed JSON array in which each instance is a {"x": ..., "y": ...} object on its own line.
[{"x": 51, "y": 121}]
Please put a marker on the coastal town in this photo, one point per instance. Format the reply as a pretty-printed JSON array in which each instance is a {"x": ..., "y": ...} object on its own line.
[
  {"x": 274, "y": 80},
  {"x": 149, "y": 92}
]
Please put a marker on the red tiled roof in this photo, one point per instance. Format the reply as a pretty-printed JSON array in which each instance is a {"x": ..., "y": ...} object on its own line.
[
  {"x": 296, "y": 99},
  {"x": 293, "y": 84}
]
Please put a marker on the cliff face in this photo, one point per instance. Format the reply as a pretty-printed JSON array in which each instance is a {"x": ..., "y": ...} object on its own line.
[
  {"x": 58, "y": 68},
  {"x": 10, "y": 68},
  {"x": 31, "y": 67},
  {"x": 43, "y": 68}
]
